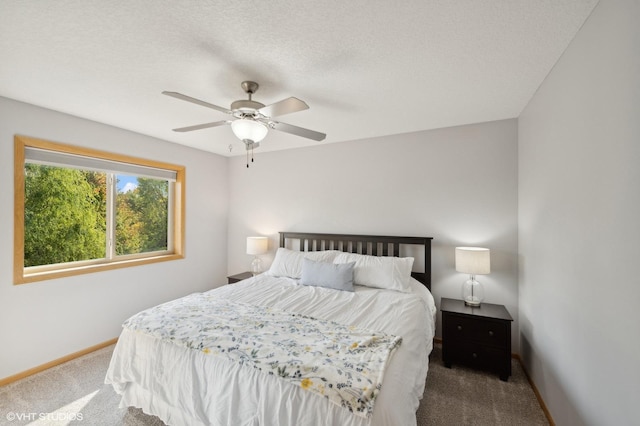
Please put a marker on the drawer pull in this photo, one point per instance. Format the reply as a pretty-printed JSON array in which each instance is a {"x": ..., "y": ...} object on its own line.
[
  {"x": 459, "y": 328},
  {"x": 490, "y": 333}
]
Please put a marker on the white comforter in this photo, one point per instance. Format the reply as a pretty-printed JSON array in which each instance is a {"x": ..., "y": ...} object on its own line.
[{"x": 183, "y": 388}]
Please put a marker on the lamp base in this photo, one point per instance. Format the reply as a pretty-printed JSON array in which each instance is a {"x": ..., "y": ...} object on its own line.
[
  {"x": 472, "y": 303},
  {"x": 256, "y": 266},
  {"x": 472, "y": 292}
]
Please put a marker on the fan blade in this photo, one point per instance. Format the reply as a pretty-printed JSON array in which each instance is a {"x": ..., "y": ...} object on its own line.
[
  {"x": 202, "y": 126},
  {"x": 298, "y": 131},
  {"x": 285, "y": 106},
  {"x": 196, "y": 101}
]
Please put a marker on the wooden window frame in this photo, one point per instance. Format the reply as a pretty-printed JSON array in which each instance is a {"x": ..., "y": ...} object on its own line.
[{"x": 177, "y": 227}]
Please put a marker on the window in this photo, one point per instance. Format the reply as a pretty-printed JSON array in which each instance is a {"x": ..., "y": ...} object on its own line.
[{"x": 79, "y": 210}]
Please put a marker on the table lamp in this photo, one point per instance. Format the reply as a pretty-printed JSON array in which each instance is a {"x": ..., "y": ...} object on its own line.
[
  {"x": 473, "y": 261},
  {"x": 257, "y": 246}
]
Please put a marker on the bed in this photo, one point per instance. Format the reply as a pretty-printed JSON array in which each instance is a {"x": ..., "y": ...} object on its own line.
[{"x": 300, "y": 344}]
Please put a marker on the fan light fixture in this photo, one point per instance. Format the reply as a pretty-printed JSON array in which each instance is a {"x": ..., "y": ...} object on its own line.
[{"x": 247, "y": 129}]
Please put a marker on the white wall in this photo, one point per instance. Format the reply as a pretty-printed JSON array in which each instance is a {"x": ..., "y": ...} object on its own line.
[
  {"x": 42, "y": 321},
  {"x": 458, "y": 185},
  {"x": 579, "y": 212}
]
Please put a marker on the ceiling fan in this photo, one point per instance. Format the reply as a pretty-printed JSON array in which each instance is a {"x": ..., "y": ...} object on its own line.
[{"x": 251, "y": 119}]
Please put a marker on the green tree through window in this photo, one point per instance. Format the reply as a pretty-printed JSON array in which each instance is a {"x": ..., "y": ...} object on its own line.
[
  {"x": 64, "y": 215},
  {"x": 142, "y": 217}
]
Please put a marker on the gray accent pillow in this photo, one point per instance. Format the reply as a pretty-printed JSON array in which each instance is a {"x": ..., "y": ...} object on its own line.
[{"x": 338, "y": 276}]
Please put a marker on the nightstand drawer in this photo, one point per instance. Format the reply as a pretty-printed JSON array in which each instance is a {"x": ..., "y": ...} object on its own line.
[
  {"x": 457, "y": 327},
  {"x": 461, "y": 328},
  {"x": 492, "y": 333},
  {"x": 477, "y": 356}
]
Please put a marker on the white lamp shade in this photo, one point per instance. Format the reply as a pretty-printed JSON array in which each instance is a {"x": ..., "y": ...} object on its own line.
[
  {"x": 257, "y": 245},
  {"x": 247, "y": 129},
  {"x": 473, "y": 260}
]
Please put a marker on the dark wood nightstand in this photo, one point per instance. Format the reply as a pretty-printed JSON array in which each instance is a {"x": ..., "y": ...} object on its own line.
[
  {"x": 479, "y": 337},
  {"x": 232, "y": 279}
]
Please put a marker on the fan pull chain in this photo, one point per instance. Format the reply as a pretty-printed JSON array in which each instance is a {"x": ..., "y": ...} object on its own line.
[
  {"x": 247, "y": 159},
  {"x": 252, "y": 153}
]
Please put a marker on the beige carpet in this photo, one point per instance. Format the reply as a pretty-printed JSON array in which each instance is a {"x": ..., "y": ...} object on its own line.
[
  {"x": 74, "y": 393},
  {"x": 461, "y": 396}
]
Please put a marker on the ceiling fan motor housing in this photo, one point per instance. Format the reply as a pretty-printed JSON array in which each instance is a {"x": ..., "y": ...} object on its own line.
[{"x": 246, "y": 105}]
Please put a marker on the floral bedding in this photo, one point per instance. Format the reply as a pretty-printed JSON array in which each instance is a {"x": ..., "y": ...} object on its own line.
[{"x": 342, "y": 363}]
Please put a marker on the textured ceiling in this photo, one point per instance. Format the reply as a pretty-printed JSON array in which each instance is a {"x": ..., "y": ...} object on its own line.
[{"x": 366, "y": 68}]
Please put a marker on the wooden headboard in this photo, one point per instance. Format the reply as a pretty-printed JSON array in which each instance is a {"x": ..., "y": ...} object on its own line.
[{"x": 375, "y": 245}]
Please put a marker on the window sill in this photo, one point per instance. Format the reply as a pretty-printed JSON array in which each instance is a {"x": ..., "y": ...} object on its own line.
[{"x": 23, "y": 278}]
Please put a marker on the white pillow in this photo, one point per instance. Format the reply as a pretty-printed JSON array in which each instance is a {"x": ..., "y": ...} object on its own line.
[
  {"x": 288, "y": 263},
  {"x": 393, "y": 273}
]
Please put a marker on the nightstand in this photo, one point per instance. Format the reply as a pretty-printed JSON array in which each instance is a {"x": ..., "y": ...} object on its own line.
[
  {"x": 232, "y": 279},
  {"x": 479, "y": 337}
]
